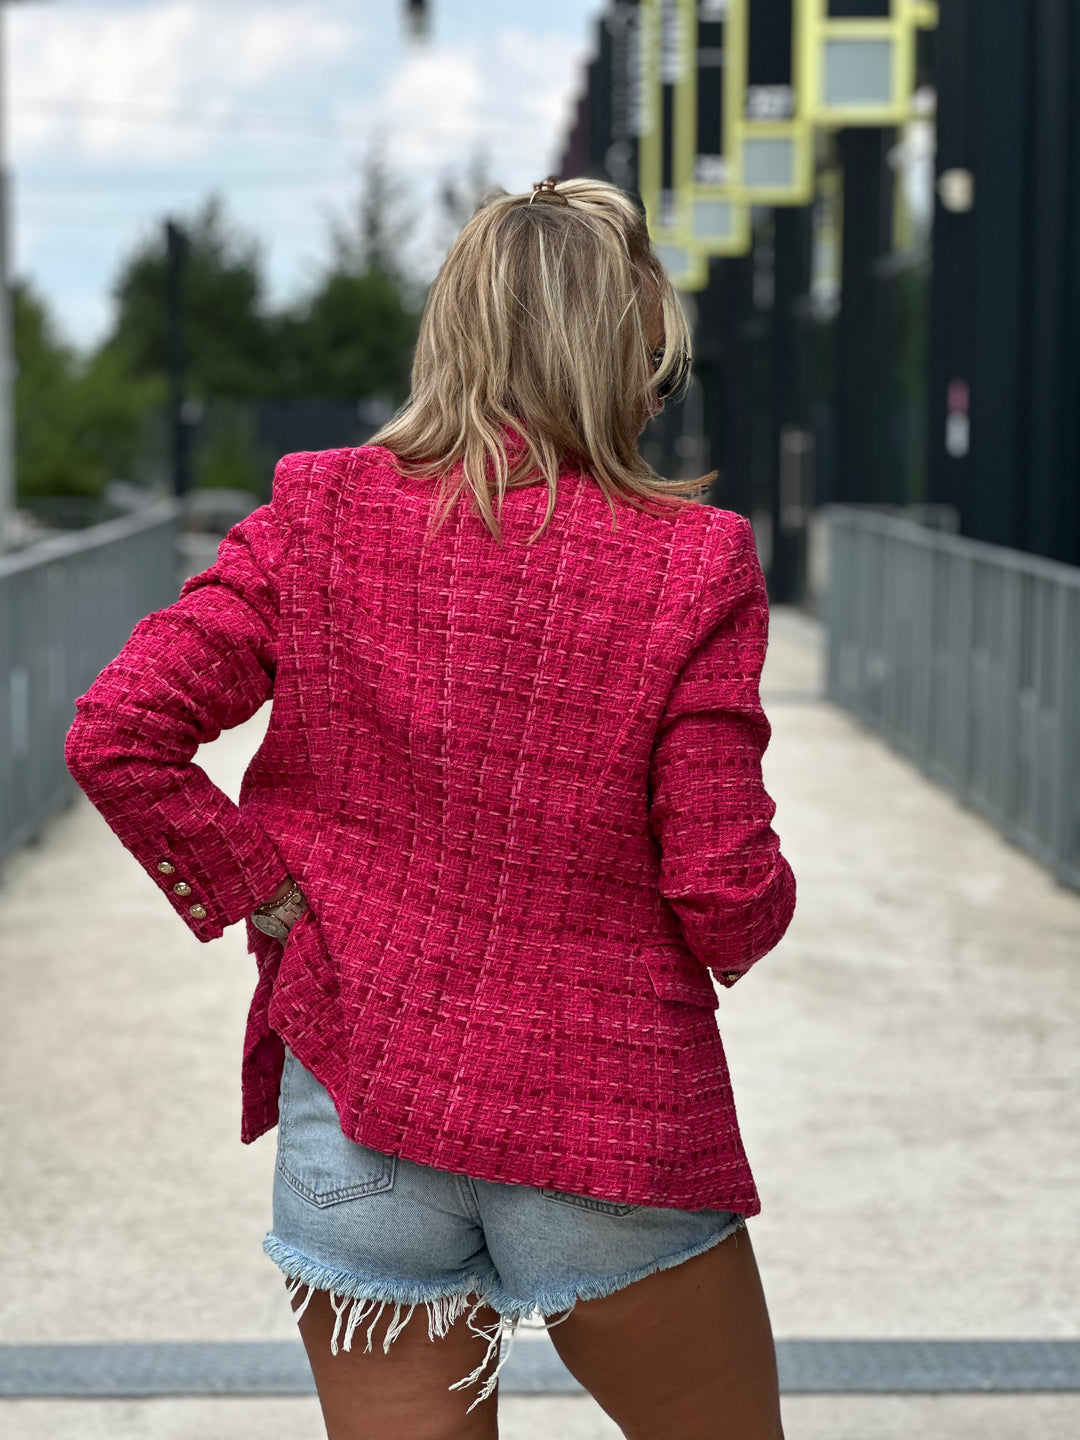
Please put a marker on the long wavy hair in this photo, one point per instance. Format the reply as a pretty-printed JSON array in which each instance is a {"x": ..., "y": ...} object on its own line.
[{"x": 538, "y": 327}]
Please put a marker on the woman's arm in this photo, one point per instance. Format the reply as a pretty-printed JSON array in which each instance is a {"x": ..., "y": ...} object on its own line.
[
  {"x": 721, "y": 868},
  {"x": 189, "y": 671}
]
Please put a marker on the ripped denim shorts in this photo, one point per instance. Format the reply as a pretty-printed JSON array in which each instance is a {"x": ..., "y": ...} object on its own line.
[{"x": 376, "y": 1230}]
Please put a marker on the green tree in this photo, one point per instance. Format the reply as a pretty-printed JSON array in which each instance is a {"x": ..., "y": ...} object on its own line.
[
  {"x": 461, "y": 194},
  {"x": 353, "y": 336},
  {"x": 78, "y": 420},
  {"x": 229, "y": 336},
  {"x": 83, "y": 421},
  {"x": 374, "y": 236}
]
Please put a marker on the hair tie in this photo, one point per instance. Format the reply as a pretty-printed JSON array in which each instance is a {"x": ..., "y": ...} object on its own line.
[{"x": 547, "y": 187}]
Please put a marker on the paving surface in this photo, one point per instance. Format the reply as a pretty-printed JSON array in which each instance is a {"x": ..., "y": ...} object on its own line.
[{"x": 904, "y": 1062}]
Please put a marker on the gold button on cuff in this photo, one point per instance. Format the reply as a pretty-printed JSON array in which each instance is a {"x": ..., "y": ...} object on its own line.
[
  {"x": 165, "y": 867},
  {"x": 182, "y": 887},
  {"x": 199, "y": 911}
]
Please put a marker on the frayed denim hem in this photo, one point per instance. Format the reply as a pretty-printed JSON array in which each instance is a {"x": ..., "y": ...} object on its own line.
[
  {"x": 550, "y": 1302},
  {"x": 365, "y": 1299}
]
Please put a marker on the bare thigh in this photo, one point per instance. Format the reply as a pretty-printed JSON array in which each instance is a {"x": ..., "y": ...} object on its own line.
[
  {"x": 373, "y": 1396},
  {"x": 685, "y": 1354}
]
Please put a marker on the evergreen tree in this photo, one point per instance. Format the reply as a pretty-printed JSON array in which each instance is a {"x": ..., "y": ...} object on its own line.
[
  {"x": 353, "y": 336},
  {"x": 78, "y": 421},
  {"x": 229, "y": 338},
  {"x": 351, "y": 339},
  {"x": 83, "y": 421},
  {"x": 374, "y": 238}
]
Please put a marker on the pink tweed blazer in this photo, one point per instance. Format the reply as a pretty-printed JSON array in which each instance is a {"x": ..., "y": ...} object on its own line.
[{"x": 521, "y": 788}]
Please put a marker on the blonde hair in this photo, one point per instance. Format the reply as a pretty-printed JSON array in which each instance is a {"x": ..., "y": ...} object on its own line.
[{"x": 538, "y": 321}]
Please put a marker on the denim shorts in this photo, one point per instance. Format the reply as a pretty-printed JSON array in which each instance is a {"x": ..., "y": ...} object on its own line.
[{"x": 375, "y": 1230}]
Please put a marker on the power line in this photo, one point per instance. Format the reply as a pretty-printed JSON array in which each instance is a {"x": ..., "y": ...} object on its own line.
[
  {"x": 139, "y": 179},
  {"x": 34, "y": 224},
  {"x": 137, "y": 112}
]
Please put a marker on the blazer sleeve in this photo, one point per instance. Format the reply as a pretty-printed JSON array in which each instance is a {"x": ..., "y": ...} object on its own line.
[
  {"x": 721, "y": 868},
  {"x": 187, "y": 672}
]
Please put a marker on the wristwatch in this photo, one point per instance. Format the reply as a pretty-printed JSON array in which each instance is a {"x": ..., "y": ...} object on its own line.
[{"x": 277, "y": 917}]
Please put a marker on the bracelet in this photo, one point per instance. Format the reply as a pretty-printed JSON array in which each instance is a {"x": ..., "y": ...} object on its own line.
[
  {"x": 270, "y": 917},
  {"x": 268, "y": 906}
]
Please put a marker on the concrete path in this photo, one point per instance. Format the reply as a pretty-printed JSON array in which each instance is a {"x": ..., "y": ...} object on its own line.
[{"x": 905, "y": 1064}]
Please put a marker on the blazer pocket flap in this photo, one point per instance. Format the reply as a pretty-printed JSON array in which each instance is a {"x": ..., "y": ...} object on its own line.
[{"x": 677, "y": 974}]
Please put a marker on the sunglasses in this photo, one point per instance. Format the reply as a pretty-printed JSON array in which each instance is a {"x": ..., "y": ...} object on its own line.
[{"x": 678, "y": 378}]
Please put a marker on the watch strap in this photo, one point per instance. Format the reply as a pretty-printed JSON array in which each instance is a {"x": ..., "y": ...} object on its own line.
[
  {"x": 288, "y": 910},
  {"x": 268, "y": 906}
]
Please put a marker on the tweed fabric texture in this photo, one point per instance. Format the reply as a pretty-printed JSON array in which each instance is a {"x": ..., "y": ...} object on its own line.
[{"x": 521, "y": 788}]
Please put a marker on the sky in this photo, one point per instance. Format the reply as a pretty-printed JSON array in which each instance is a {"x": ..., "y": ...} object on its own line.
[{"x": 119, "y": 113}]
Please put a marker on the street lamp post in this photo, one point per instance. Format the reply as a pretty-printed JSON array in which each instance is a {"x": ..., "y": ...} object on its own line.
[
  {"x": 7, "y": 366},
  {"x": 7, "y": 356},
  {"x": 417, "y": 18},
  {"x": 7, "y": 348}
]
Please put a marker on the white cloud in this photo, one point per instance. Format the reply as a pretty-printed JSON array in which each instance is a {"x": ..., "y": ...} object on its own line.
[
  {"x": 495, "y": 80},
  {"x": 542, "y": 72},
  {"x": 507, "y": 98},
  {"x": 189, "y": 54},
  {"x": 441, "y": 88}
]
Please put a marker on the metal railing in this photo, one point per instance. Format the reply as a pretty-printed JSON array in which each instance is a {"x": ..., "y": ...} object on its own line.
[
  {"x": 67, "y": 606},
  {"x": 966, "y": 657}
]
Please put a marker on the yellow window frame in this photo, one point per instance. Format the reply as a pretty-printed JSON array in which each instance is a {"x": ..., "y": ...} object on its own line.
[
  {"x": 898, "y": 30},
  {"x": 677, "y": 240}
]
